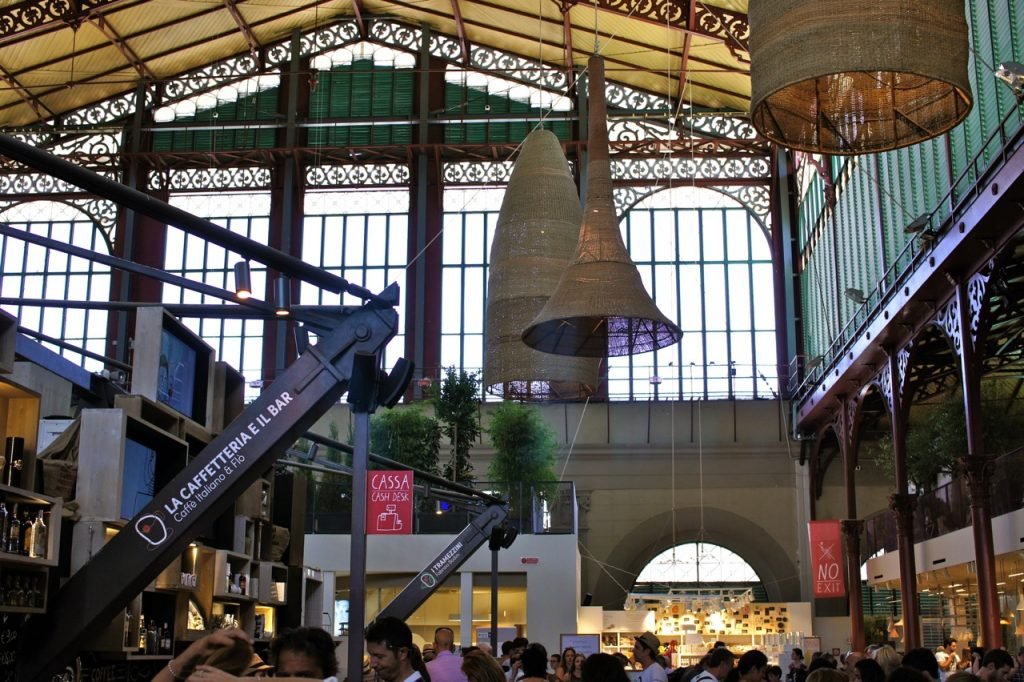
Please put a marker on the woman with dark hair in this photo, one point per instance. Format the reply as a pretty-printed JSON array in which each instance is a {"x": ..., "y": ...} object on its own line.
[
  {"x": 534, "y": 663},
  {"x": 868, "y": 670},
  {"x": 751, "y": 666},
  {"x": 603, "y": 668},
  {"x": 577, "y": 668},
  {"x": 564, "y": 670},
  {"x": 773, "y": 673}
]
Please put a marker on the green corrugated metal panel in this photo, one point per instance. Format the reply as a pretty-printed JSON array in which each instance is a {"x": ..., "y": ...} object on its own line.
[
  {"x": 476, "y": 102},
  {"x": 362, "y": 90},
  {"x": 996, "y": 36},
  {"x": 259, "y": 106}
]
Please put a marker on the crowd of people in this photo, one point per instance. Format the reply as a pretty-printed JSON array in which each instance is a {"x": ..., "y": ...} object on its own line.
[{"x": 392, "y": 656}]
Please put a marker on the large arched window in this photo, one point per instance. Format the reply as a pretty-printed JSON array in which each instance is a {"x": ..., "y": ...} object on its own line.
[
  {"x": 32, "y": 273},
  {"x": 694, "y": 566}
]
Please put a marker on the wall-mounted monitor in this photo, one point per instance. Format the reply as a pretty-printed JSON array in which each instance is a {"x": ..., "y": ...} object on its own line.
[
  {"x": 151, "y": 460},
  {"x": 172, "y": 365},
  {"x": 123, "y": 461}
]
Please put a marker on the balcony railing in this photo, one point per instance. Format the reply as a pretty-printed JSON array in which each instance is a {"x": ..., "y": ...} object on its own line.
[
  {"x": 947, "y": 508},
  {"x": 534, "y": 508}
]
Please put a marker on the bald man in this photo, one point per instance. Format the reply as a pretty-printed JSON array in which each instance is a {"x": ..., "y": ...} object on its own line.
[{"x": 446, "y": 666}]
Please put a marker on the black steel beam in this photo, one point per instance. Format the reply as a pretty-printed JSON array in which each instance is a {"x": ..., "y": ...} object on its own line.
[
  {"x": 220, "y": 472},
  {"x": 159, "y": 210}
]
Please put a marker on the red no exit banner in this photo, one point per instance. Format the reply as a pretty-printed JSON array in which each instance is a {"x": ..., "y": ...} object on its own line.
[{"x": 827, "y": 559}]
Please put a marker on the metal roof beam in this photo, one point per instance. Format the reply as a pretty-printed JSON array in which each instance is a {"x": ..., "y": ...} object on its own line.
[
  {"x": 37, "y": 106},
  {"x": 731, "y": 28},
  {"x": 460, "y": 27},
  {"x": 685, "y": 56},
  {"x": 111, "y": 34},
  {"x": 250, "y": 37},
  {"x": 25, "y": 19},
  {"x": 359, "y": 12},
  {"x": 570, "y": 73}
]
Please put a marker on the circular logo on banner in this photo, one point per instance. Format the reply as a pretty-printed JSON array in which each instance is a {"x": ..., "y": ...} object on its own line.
[
  {"x": 151, "y": 528},
  {"x": 428, "y": 581}
]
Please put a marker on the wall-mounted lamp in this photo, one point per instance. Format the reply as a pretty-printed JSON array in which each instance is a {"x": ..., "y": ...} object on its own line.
[
  {"x": 1012, "y": 74},
  {"x": 243, "y": 280},
  {"x": 856, "y": 295},
  {"x": 282, "y": 297},
  {"x": 919, "y": 223}
]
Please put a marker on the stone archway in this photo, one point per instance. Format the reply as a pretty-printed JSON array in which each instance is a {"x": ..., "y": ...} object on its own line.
[{"x": 776, "y": 567}]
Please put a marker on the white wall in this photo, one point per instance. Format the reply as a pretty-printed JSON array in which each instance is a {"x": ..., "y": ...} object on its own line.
[{"x": 552, "y": 584}]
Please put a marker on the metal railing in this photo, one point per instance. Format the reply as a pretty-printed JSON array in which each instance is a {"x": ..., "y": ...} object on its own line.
[
  {"x": 1001, "y": 143},
  {"x": 534, "y": 508},
  {"x": 947, "y": 508}
]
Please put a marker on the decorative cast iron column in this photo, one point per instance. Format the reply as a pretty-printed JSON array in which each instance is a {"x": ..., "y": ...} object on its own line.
[
  {"x": 852, "y": 530},
  {"x": 978, "y": 471},
  {"x": 903, "y": 505},
  {"x": 895, "y": 389}
]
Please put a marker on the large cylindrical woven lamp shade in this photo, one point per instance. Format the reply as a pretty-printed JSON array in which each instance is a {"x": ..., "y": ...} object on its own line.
[
  {"x": 841, "y": 77},
  {"x": 600, "y": 307},
  {"x": 534, "y": 239}
]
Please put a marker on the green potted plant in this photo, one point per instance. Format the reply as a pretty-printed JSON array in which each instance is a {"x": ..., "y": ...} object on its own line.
[
  {"x": 524, "y": 457},
  {"x": 408, "y": 436},
  {"x": 456, "y": 401}
]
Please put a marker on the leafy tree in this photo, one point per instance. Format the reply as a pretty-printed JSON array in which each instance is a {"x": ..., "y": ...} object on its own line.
[
  {"x": 456, "y": 401},
  {"x": 937, "y": 435},
  {"x": 408, "y": 436},
  {"x": 524, "y": 456},
  {"x": 524, "y": 446}
]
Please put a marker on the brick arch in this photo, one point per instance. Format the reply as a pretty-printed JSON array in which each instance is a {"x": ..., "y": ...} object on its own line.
[{"x": 775, "y": 566}]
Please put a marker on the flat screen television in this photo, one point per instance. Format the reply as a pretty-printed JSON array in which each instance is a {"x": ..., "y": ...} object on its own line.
[
  {"x": 172, "y": 365},
  {"x": 151, "y": 460}
]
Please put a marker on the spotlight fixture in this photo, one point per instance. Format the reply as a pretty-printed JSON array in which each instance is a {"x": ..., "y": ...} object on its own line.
[
  {"x": 282, "y": 297},
  {"x": 655, "y": 380},
  {"x": 812, "y": 361},
  {"x": 243, "y": 280},
  {"x": 919, "y": 224},
  {"x": 1012, "y": 74},
  {"x": 501, "y": 537},
  {"x": 856, "y": 295}
]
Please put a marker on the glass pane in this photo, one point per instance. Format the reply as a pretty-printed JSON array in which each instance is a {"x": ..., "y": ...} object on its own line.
[
  {"x": 665, "y": 236},
  {"x": 639, "y": 238},
  {"x": 713, "y": 236},
  {"x": 737, "y": 234},
  {"x": 714, "y": 296},
  {"x": 739, "y": 297}
]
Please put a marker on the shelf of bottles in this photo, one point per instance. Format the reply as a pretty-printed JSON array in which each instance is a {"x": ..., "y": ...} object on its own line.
[{"x": 27, "y": 548}]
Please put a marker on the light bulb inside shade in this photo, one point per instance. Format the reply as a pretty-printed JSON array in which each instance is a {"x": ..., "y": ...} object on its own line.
[
  {"x": 243, "y": 280},
  {"x": 282, "y": 297}
]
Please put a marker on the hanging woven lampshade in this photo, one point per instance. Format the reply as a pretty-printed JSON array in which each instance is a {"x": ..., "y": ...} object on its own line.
[
  {"x": 840, "y": 77},
  {"x": 536, "y": 234},
  {"x": 600, "y": 307}
]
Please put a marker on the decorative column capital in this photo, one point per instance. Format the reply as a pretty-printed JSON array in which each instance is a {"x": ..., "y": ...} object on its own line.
[
  {"x": 852, "y": 528},
  {"x": 903, "y": 503},
  {"x": 978, "y": 470}
]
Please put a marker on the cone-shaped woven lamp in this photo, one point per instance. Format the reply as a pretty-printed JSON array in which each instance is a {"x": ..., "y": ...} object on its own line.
[
  {"x": 840, "y": 77},
  {"x": 536, "y": 235},
  {"x": 600, "y": 307}
]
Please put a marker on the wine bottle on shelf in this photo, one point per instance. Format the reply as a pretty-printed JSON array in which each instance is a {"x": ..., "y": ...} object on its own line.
[
  {"x": 39, "y": 538},
  {"x": 165, "y": 640},
  {"x": 152, "y": 638},
  {"x": 142, "y": 632},
  {"x": 4, "y": 521},
  {"x": 25, "y": 533},
  {"x": 13, "y": 537}
]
